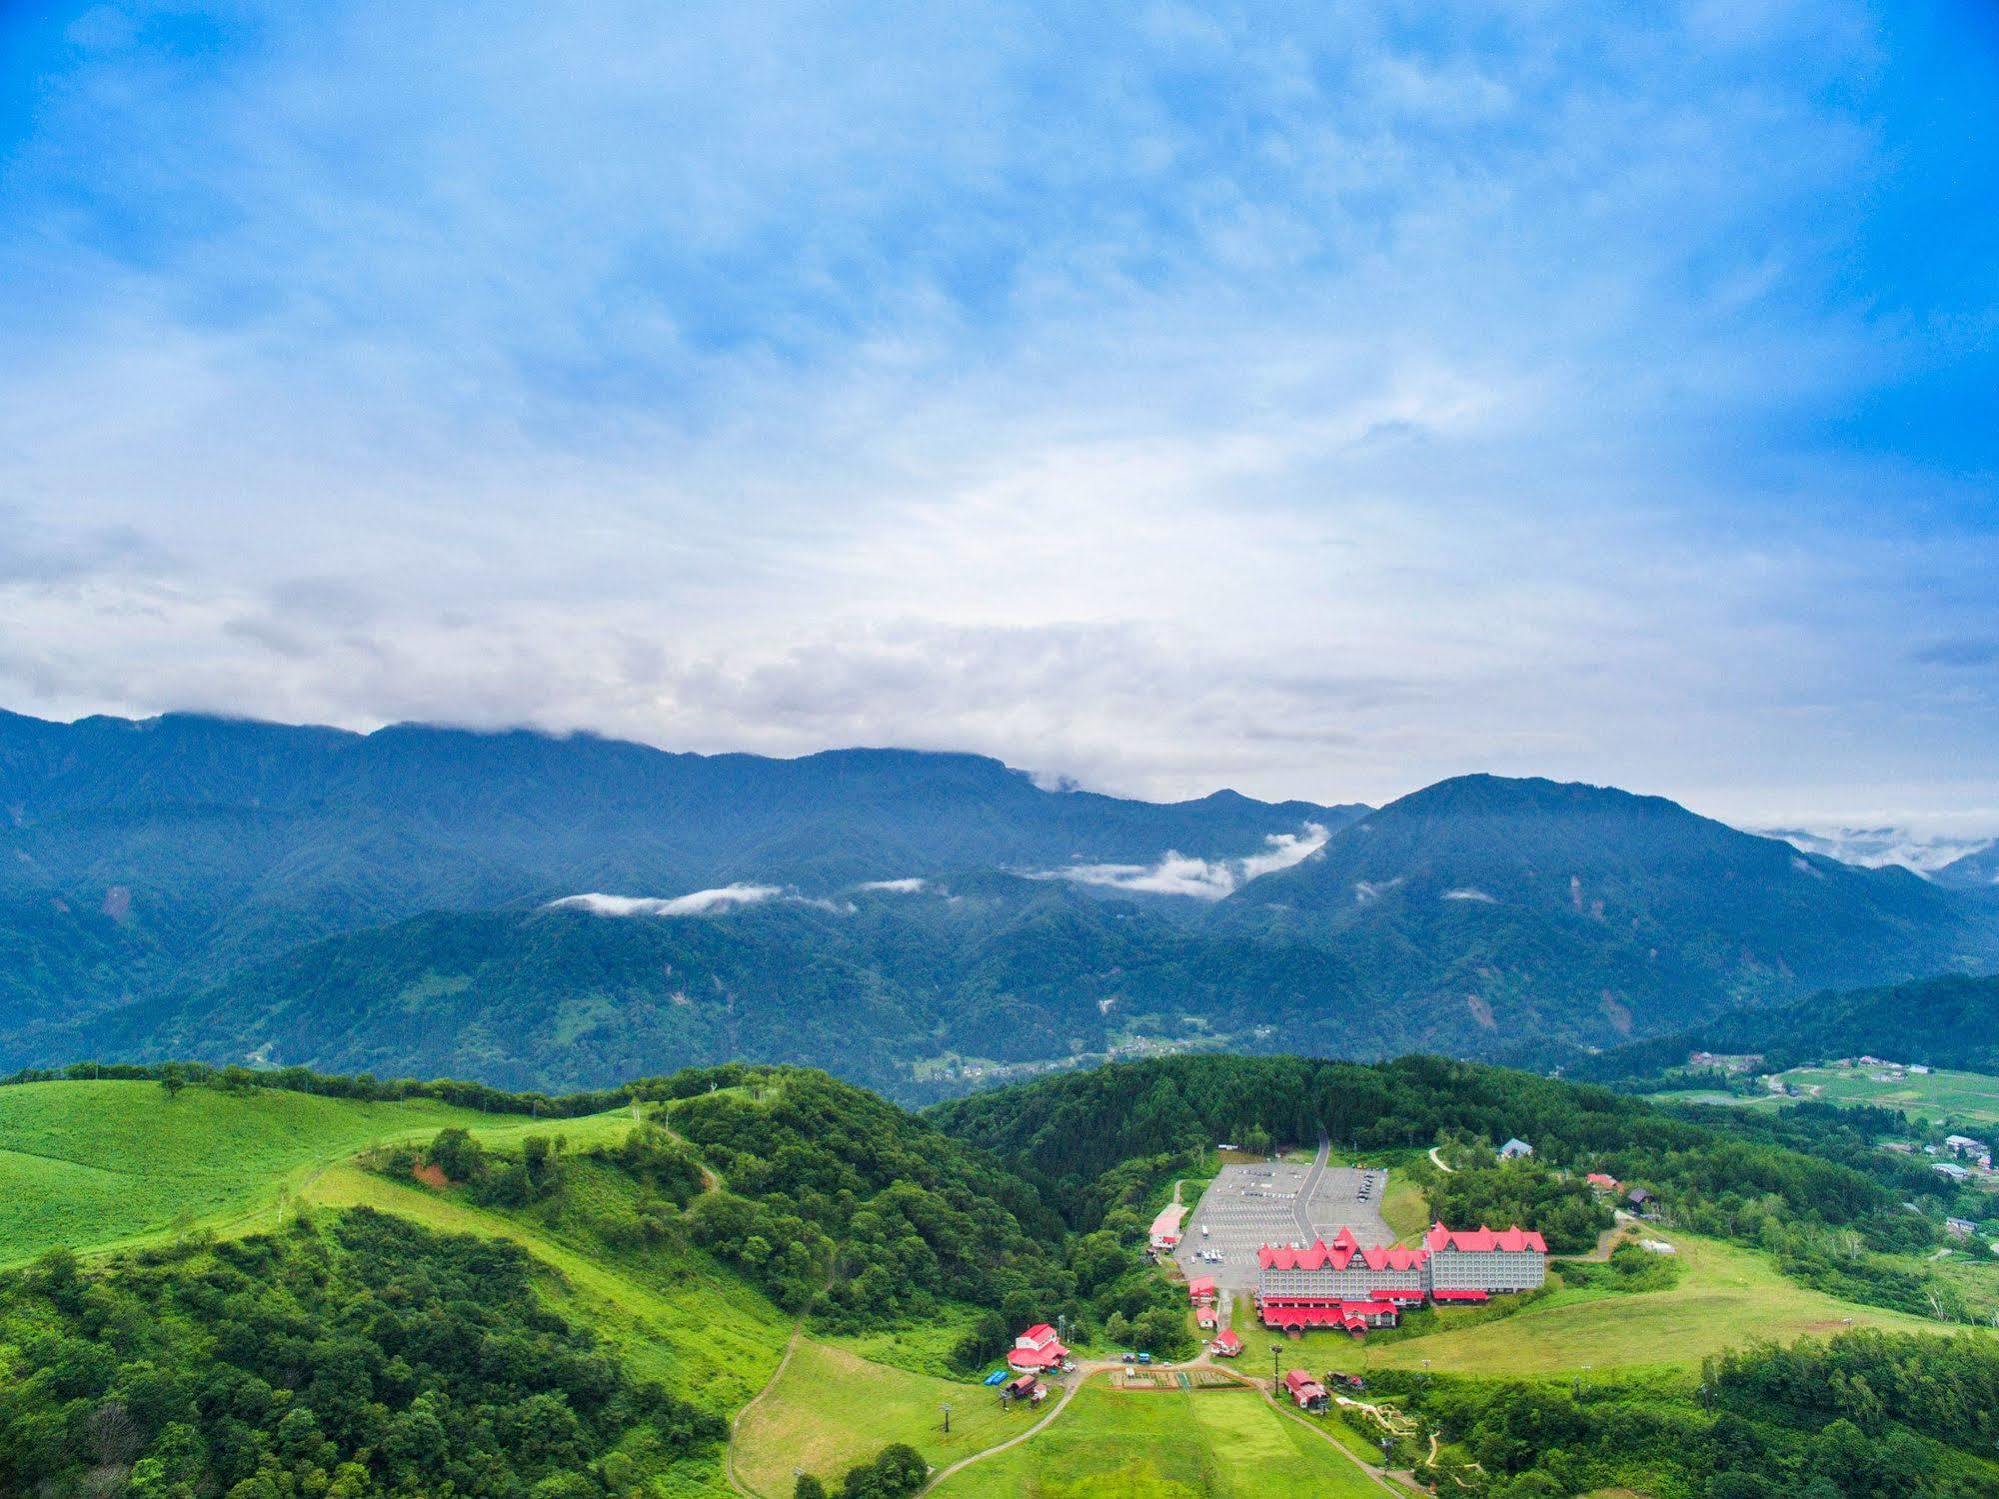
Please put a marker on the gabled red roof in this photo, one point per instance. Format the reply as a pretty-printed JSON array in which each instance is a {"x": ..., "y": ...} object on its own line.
[
  {"x": 1038, "y": 1334},
  {"x": 1048, "y": 1357},
  {"x": 1338, "y": 1255},
  {"x": 1227, "y": 1342},
  {"x": 1483, "y": 1240},
  {"x": 1302, "y": 1385},
  {"x": 1203, "y": 1285}
]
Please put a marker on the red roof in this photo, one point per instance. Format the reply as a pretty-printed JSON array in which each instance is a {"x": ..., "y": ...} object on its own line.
[
  {"x": 1203, "y": 1285},
  {"x": 1303, "y": 1387},
  {"x": 1037, "y": 1358},
  {"x": 1483, "y": 1240},
  {"x": 1338, "y": 1255},
  {"x": 1460, "y": 1296},
  {"x": 1035, "y": 1336},
  {"x": 1227, "y": 1343},
  {"x": 1285, "y": 1312},
  {"x": 1601, "y": 1179}
]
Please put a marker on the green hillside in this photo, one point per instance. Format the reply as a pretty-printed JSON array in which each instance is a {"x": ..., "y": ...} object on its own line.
[
  {"x": 264, "y": 895},
  {"x": 772, "y": 1251},
  {"x": 90, "y": 1165}
]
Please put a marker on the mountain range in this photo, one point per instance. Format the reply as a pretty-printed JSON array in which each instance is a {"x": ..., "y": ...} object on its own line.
[{"x": 551, "y": 912}]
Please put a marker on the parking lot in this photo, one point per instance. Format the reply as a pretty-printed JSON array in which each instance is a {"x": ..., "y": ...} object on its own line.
[{"x": 1277, "y": 1202}]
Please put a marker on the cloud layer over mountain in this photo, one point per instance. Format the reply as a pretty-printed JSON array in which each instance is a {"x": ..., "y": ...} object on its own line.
[{"x": 1315, "y": 399}]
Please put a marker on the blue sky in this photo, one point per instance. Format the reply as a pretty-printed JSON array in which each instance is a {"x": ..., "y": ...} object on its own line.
[{"x": 1317, "y": 399}]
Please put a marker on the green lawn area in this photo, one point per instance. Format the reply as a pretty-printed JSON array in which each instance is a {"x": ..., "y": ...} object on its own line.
[
  {"x": 1725, "y": 1296},
  {"x": 1969, "y": 1096},
  {"x": 101, "y": 1165},
  {"x": 1170, "y": 1444},
  {"x": 831, "y": 1409}
]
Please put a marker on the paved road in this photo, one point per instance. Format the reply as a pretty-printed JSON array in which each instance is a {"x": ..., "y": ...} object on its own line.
[
  {"x": 1303, "y": 1206},
  {"x": 1278, "y": 1202}
]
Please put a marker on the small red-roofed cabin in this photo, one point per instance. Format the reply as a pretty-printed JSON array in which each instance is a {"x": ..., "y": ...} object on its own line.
[
  {"x": 1201, "y": 1288},
  {"x": 1309, "y": 1394},
  {"x": 1602, "y": 1181},
  {"x": 1226, "y": 1344},
  {"x": 1036, "y": 1350}
]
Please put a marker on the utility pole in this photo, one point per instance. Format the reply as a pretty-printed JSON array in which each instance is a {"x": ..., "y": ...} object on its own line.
[{"x": 947, "y": 1419}]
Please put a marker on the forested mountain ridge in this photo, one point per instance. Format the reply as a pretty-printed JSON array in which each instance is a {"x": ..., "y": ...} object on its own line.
[
  {"x": 246, "y": 892},
  {"x": 140, "y": 857},
  {"x": 1539, "y": 906}
]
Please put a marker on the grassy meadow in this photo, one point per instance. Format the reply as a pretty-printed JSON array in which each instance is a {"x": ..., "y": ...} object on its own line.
[
  {"x": 1214, "y": 1444},
  {"x": 98, "y": 1165},
  {"x": 1969, "y": 1096},
  {"x": 829, "y": 1410}
]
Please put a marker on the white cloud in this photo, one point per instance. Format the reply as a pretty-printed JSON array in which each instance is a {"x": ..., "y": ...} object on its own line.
[
  {"x": 971, "y": 379},
  {"x": 1203, "y": 879},
  {"x": 895, "y": 887},
  {"x": 698, "y": 903},
  {"x": 1467, "y": 893},
  {"x": 1926, "y": 846}
]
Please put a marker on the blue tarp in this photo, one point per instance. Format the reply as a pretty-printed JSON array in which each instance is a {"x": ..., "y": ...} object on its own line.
[{"x": 998, "y": 1376}]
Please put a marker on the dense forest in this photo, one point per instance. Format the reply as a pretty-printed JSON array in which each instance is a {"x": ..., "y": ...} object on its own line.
[
  {"x": 367, "y": 1357},
  {"x": 1866, "y": 1415}
]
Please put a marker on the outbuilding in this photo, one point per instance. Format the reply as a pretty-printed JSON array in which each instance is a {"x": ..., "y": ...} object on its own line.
[{"x": 1309, "y": 1394}]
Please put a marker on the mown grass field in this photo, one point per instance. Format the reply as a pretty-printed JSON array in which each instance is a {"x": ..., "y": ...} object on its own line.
[
  {"x": 96, "y": 1165},
  {"x": 830, "y": 1410},
  {"x": 1970, "y": 1096},
  {"x": 1726, "y": 1296},
  {"x": 1217, "y": 1444}
]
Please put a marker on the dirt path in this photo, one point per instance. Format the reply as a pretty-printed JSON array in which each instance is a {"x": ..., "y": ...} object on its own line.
[
  {"x": 735, "y": 1421},
  {"x": 1439, "y": 1163}
]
